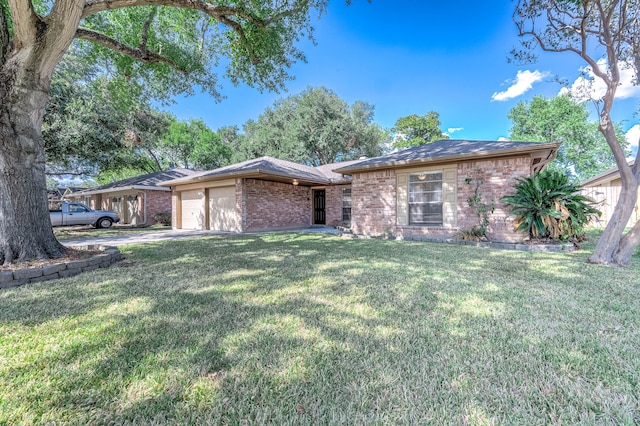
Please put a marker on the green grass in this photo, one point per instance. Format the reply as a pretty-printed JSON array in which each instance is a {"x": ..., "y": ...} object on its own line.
[{"x": 315, "y": 329}]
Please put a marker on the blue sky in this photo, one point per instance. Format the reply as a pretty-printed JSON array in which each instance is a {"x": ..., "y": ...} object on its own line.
[{"x": 411, "y": 57}]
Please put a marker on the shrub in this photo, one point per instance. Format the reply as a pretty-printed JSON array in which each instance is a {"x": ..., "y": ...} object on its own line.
[
  {"x": 548, "y": 205},
  {"x": 163, "y": 218}
]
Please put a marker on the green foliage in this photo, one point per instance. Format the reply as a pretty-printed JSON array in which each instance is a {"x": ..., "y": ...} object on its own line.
[
  {"x": 548, "y": 205},
  {"x": 584, "y": 152},
  {"x": 414, "y": 130},
  {"x": 163, "y": 218},
  {"x": 193, "y": 145},
  {"x": 192, "y": 43},
  {"x": 483, "y": 209},
  {"x": 314, "y": 127},
  {"x": 88, "y": 128}
]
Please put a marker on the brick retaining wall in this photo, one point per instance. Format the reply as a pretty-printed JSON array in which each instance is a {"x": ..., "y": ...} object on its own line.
[{"x": 55, "y": 271}]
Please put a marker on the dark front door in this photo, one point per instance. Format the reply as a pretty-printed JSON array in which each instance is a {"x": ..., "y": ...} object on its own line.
[{"x": 319, "y": 207}]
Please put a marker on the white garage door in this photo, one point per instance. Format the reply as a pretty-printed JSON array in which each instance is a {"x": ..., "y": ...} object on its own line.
[
  {"x": 222, "y": 209},
  {"x": 192, "y": 209}
]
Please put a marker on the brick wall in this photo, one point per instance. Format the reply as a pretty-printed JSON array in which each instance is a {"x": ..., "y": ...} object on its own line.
[
  {"x": 373, "y": 196},
  {"x": 333, "y": 209},
  {"x": 157, "y": 202},
  {"x": 499, "y": 176},
  {"x": 274, "y": 205},
  {"x": 374, "y": 201}
]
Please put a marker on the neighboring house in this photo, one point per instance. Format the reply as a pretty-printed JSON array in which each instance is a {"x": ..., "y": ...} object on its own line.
[
  {"x": 417, "y": 192},
  {"x": 261, "y": 194},
  {"x": 423, "y": 192},
  {"x": 605, "y": 189},
  {"x": 57, "y": 195},
  {"x": 137, "y": 200}
]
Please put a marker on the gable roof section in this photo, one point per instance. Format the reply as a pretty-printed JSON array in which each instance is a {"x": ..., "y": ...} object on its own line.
[
  {"x": 604, "y": 177},
  {"x": 269, "y": 168},
  {"x": 447, "y": 150},
  {"x": 150, "y": 181}
]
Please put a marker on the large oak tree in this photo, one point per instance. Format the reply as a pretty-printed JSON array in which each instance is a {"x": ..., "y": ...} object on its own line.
[
  {"x": 592, "y": 30},
  {"x": 315, "y": 127},
  {"x": 166, "y": 46}
]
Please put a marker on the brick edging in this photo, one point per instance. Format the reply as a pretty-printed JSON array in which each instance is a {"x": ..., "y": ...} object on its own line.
[{"x": 108, "y": 257}]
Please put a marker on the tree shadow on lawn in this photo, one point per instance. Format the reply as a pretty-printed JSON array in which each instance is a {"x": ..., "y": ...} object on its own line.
[{"x": 296, "y": 328}]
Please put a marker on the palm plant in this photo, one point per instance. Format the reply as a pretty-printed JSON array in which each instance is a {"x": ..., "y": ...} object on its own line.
[{"x": 548, "y": 205}]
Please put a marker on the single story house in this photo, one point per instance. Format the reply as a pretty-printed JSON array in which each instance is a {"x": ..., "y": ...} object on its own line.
[
  {"x": 137, "y": 200},
  {"x": 417, "y": 192},
  {"x": 261, "y": 194},
  {"x": 605, "y": 189}
]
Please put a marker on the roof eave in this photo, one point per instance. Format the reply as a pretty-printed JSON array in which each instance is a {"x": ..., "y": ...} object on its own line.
[
  {"x": 119, "y": 189},
  {"x": 450, "y": 158},
  {"x": 256, "y": 173}
]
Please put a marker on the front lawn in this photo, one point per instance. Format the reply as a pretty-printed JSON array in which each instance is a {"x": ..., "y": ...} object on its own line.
[{"x": 315, "y": 329}]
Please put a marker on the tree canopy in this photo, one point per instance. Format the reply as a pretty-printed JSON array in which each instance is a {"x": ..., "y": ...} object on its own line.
[
  {"x": 314, "y": 127},
  {"x": 584, "y": 152},
  {"x": 415, "y": 130}
]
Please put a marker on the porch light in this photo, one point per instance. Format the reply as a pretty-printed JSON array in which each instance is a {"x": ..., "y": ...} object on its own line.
[
  {"x": 422, "y": 176},
  {"x": 295, "y": 182}
]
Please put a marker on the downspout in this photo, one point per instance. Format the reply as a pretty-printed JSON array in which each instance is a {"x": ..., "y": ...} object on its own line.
[{"x": 145, "y": 207}]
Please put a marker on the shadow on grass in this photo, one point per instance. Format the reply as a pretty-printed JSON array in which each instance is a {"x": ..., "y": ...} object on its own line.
[{"x": 300, "y": 328}]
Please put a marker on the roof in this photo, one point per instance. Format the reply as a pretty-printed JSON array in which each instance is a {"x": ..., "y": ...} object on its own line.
[
  {"x": 604, "y": 177},
  {"x": 150, "y": 181},
  {"x": 270, "y": 168},
  {"x": 447, "y": 151}
]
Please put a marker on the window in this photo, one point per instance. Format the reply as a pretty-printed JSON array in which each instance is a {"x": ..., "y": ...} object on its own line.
[
  {"x": 425, "y": 199},
  {"x": 346, "y": 204}
]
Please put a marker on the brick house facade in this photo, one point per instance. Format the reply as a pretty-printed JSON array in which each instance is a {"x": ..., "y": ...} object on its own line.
[
  {"x": 382, "y": 194},
  {"x": 137, "y": 200},
  {"x": 268, "y": 194},
  {"x": 420, "y": 192}
]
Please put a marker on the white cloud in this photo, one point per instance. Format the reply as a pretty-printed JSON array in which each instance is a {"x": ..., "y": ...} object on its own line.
[
  {"x": 633, "y": 136},
  {"x": 589, "y": 86},
  {"x": 503, "y": 139},
  {"x": 523, "y": 83},
  {"x": 451, "y": 130}
]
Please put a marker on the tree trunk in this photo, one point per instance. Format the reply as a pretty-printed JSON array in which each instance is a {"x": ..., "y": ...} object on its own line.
[
  {"x": 613, "y": 248},
  {"x": 25, "y": 227}
]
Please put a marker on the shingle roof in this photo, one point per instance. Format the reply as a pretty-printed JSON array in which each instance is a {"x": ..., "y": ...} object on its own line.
[
  {"x": 327, "y": 170},
  {"x": 274, "y": 167},
  {"x": 147, "y": 181},
  {"x": 445, "y": 149}
]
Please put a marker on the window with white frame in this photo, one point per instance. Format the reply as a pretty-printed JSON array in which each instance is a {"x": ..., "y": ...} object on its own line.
[
  {"x": 425, "y": 198},
  {"x": 346, "y": 204}
]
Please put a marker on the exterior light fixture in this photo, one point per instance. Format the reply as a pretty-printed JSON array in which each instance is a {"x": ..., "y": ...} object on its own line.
[
  {"x": 295, "y": 182},
  {"x": 422, "y": 176}
]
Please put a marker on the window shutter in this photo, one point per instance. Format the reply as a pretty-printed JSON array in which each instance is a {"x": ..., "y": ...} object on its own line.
[{"x": 449, "y": 189}]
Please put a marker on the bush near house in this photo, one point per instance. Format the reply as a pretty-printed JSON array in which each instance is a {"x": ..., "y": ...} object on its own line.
[
  {"x": 548, "y": 206},
  {"x": 163, "y": 218}
]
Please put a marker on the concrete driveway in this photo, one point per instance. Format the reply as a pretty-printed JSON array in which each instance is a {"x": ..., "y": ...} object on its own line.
[{"x": 150, "y": 236}]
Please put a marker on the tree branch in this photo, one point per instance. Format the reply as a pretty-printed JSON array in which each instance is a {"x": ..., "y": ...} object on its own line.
[
  {"x": 142, "y": 55},
  {"x": 24, "y": 21},
  {"x": 145, "y": 29},
  {"x": 222, "y": 14}
]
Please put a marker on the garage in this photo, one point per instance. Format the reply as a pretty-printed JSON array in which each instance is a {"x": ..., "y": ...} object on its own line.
[
  {"x": 222, "y": 209},
  {"x": 192, "y": 205}
]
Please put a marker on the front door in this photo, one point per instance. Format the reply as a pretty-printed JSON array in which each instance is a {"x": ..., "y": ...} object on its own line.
[{"x": 319, "y": 217}]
